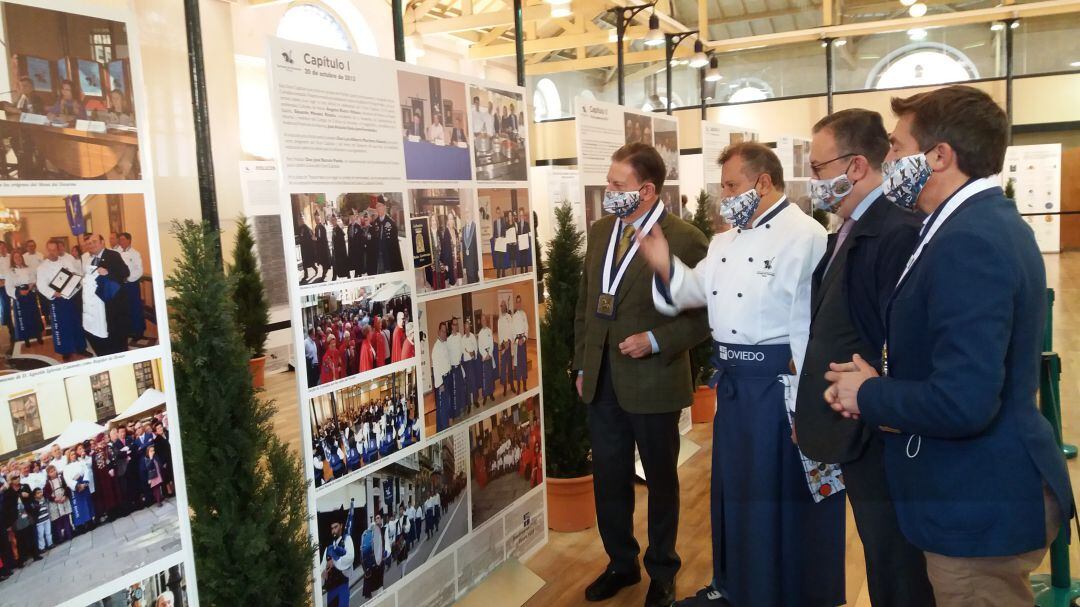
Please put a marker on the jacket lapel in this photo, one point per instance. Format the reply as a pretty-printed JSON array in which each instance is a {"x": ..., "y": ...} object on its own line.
[{"x": 638, "y": 265}]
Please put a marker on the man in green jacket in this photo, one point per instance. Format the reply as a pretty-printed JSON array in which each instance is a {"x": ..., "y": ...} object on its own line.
[{"x": 634, "y": 371}]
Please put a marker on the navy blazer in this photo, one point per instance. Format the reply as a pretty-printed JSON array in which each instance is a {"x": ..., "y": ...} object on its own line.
[{"x": 966, "y": 450}]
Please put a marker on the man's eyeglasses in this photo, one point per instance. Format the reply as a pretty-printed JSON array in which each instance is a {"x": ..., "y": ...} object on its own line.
[{"x": 817, "y": 167}]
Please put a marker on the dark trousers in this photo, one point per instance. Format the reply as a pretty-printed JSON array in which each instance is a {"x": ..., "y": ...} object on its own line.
[
  {"x": 103, "y": 346},
  {"x": 895, "y": 570},
  {"x": 614, "y": 432}
]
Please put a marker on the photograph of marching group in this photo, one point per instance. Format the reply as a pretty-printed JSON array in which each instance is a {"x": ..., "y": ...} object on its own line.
[
  {"x": 356, "y": 330},
  {"x": 164, "y": 589},
  {"x": 482, "y": 351},
  {"x": 86, "y": 477},
  {"x": 507, "y": 458},
  {"x": 75, "y": 279},
  {"x": 498, "y": 124},
  {"x": 446, "y": 220},
  {"x": 376, "y": 529},
  {"x": 506, "y": 230},
  {"x": 71, "y": 114},
  {"x": 348, "y": 236},
  {"x": 357, "y": 426},
  {"x": 433, "y": 125}
]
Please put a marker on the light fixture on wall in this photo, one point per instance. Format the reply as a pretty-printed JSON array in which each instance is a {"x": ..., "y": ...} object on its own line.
[
  {"x": 908, "y": 2},
  {"x": 699, "y": 59},
  {"x": 1015, "y": 24},
  {"x": 9, "y": 220},
  {"x": 713, "y": 73},
  {"x": 997, "y": 26},
  {"x": 917, "y": 10},
  {"x": 917, "y": 34},
  {"x": 840, "y": 42},
  {"x": 655, "y": 37},
  {"x": 1075, "y": 64}
]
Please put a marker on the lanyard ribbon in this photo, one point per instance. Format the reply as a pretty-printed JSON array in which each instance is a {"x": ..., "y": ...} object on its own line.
[{"x": 607, "y": 283}]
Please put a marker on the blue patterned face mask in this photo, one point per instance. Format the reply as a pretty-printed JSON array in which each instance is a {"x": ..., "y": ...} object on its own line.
[
  {"x": 905, "y": 179},
  {"x": 621, "y": 204},
  {"x": 827, "y": 194},
  {"x": 737, "y": 210}
]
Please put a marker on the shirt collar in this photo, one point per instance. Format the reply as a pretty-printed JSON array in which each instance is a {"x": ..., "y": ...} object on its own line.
[
  {"x": 866, "y": 202},
  {"x": 771, "y": 212},
  {"x": 640, "y": 220}
]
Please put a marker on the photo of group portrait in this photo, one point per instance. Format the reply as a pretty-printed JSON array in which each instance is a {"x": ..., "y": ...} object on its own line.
[
  {"x": 446, "y": 221},
  {"x": 86, "y": 476},
  {"x": 378, "y": 528},
  {"x": 348, "y": 236},
  {"x": 507, "y": 458},
  {"x": 76, "y": 279},
  {"x": 481, "y": 352},
  {"x": 666, "y": 142},
  {"x": 71, "y": 114},
  {"x": 499, "y": 128},
  {"x": 434, "y": 127},
  {"x": 638, "y": 128},
  {"x": 507, "y": 232},
  {"x": 356, "y": 330},
  {"x": 360, "y": 424}
]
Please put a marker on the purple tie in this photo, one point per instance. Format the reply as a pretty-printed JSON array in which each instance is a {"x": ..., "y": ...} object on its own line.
[{"x": 840, "y": 236}]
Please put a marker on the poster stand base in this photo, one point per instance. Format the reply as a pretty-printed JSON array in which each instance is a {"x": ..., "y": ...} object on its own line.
[
  {"x": 687, "y": 449},
  {"x": 509, "y": 585}
]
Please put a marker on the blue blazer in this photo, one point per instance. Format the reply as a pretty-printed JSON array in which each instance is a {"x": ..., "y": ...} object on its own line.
[{"x": 966, "y": 450}]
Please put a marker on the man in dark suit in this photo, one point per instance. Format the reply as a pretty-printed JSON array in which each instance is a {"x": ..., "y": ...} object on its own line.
[
  {"x": 388, "y": 251},
  {"x": 524, "y": 255},
  {"x": 356, "y": 246},
  {"x": 619, "y": 334},
  {"x": 112, "y": 273},
  {"x": 498, "y": 230},
  {"x": 470, "y": 245},
  {"x": 976, "y": 476},
  {"x": 861, "y": 265}
]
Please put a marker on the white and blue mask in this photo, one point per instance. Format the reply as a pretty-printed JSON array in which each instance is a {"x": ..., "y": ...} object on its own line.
[
  {"x": 737, "y": 210},
  {"x": 905, "y": 179},
  {"x": 828, "y": 194},
  {"x": 621, "y": 204}
]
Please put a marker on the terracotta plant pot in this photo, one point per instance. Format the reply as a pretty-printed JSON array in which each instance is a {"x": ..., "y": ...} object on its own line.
[
  {"x": 257, "y": 366},
  {"x": 704, "y": 407},
  {"x": 571, "y": 505}
]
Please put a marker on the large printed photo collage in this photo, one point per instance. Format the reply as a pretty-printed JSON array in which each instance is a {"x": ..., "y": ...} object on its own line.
[
  {"x": 418, "y": 315},
  {"x": 91, "y": 477}
]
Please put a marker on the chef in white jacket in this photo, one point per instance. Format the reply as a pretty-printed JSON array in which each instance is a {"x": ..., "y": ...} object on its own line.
[
  {"x": 457, "y": 376},
  {"x": 773, "y": 545},
  {"x": 485, "y": 345},
  {"x": 440, "y": 371}
]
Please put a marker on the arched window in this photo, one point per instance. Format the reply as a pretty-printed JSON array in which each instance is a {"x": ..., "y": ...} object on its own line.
[
  {"x": 314, "y": 24},
  {"x": 749, "y": 89},
  {"x": 921, "y": 64},
  {"x": 547, "y": 103}
]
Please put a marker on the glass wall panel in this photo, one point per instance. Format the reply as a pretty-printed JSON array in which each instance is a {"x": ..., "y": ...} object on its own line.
[
  {"x": 861, "y": 11},
  {"x": 1046, "y": 44},
  {"x": 781, "y": 71}
]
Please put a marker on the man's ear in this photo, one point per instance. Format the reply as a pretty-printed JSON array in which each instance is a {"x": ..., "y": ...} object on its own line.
[
  {"x": 941, "y": 157},
  {"x": 860, "y": 168},
  {"x": 765, "y": 183}
]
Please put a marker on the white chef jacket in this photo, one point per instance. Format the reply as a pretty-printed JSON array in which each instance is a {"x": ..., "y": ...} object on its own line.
[
  {"x": 453, "y": 349},
  {"x": 506, "y": 328},
  {"x": 134, "y": 263},
  {"x": 485, "y": 344},
  {"x": 45, "y": 273},
  {"x": 74, "y": 265},
  {"x": 93, "y": 313},
  {"x": 18, "y": 277},
  {"x": 468, "y": 346},
  {"x": 33, "y": 260},
  {"x": 755, "y": 283},
  {"x": 521, "y": 324},
  {"x": 440, "y": 361}
]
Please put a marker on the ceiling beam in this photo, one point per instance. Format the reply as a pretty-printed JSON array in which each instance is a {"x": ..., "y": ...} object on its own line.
[
  {"x": 494, "y": 34},
  {"x": 780, "y": 12},
  {"x": 546, "y": 45},
  {"x": 421, "y": 9},
  {"x": 1016, "y": 11},
  {"x": 703, "y": 20},
  {"x": 477, "y": 21}
]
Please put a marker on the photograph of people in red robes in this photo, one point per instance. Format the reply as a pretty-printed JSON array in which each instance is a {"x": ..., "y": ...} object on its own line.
[
  {"x": 357, "y": 330},
  {"x": 507, "y": 458}
]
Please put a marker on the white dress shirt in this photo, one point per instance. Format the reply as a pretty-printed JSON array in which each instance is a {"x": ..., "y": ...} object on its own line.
[
  {"x": 440, "y": 361},
  {"x": 485, "y": 344},
  {"x": 468, "y": 346},
  {"x": 453, "y": 349},
  {"x": 134, "y": 263}
]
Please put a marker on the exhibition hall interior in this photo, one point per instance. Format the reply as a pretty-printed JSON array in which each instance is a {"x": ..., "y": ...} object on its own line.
[{"x": 501, "y": 303}]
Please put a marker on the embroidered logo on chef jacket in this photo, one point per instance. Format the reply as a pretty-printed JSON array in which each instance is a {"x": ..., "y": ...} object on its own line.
[
  {"x": 726, "y": 353},
  {"x": 767, "y": 269}
]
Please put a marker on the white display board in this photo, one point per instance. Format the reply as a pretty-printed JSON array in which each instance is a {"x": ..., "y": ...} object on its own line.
[
  {"x": 78, "y": 195},
  {"x": 1035, "y": 171},
  {"x": 794, "y": 154},
  {"x": 602, "y": 128},
  {"x": 405, "y": 208}
]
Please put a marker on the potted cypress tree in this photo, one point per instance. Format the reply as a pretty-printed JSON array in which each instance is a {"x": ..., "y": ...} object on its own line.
[
  {"x": 247, "y": 496},
  {"x": 571, "y": 506},
  {"x": 249, "y": 300},
  {"x": 704, "y": 406}
]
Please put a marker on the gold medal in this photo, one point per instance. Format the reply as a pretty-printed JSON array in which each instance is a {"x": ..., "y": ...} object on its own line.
[{"x": 605, "y": 306}]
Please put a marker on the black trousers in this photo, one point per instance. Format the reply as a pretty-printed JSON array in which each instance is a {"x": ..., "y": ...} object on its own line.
[
  {"x": 895, "y": 569},
  {"x": 103, "y": 346},
  {"x": 614, "y": 433}
]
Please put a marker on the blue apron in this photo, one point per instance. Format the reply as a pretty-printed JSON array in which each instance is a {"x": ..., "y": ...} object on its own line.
[
  {"x": 773, "y": 546},
  {"x": 135, "y": 309},
  {"x": 26, "y": 316},
  {"x": 442, "y": 403},
  {"x": 66, "y": 321}
]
